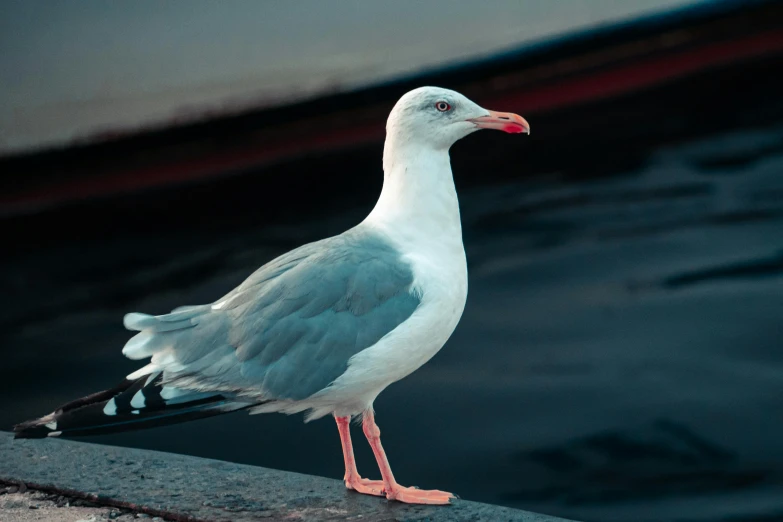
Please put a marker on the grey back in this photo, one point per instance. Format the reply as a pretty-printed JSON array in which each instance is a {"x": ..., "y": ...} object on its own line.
[{"x": 290, "y": 329}]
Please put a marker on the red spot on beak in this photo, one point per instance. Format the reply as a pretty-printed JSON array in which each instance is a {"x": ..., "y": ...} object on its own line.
[{"x": 505, "y": 121}]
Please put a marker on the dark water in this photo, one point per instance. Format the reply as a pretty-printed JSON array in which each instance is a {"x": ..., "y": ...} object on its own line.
[{"x": 620, "y": 356}]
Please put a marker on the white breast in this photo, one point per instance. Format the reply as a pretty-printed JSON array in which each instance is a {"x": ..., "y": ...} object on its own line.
[
  {"x": 418, "y": 213},
  {"x": 441, "y": 279}
]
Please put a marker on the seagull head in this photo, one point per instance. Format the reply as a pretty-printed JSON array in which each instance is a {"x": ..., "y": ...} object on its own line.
[{"x": 439, "y": 117}]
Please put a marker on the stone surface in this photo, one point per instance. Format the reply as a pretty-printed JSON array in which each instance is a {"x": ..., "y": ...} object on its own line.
[
  {"x": 37, "y": 506},
  {"x": 179, "y": 487}
]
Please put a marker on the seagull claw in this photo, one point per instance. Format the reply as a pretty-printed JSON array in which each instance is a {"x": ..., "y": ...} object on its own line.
[
  {"x": 413, "y": 495},
  {"x": 366, "y": 486}
]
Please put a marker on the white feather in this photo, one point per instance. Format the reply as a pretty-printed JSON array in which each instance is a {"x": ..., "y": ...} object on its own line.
[
  {"x": 141, "y": 372},
  {"x": 139, "y": 346},
  {"x": 110, "y": 408},
  {"x": 138, "y": 400}
]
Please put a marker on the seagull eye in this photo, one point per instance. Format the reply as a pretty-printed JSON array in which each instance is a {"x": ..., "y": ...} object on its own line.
[{"x": 442, "y": 106}]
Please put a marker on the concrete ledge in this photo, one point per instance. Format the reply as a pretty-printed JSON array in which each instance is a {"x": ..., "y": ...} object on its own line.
[{"x": 184, "y": 488}]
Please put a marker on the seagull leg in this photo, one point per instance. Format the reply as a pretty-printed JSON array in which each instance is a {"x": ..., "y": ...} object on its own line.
[
  {"x": 352, "y": 479},
  {"x": 409, "y": 495}
]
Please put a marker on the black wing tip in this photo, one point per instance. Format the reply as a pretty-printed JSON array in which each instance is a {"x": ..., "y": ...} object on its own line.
[
  {"x": 33, "y": 429},
  {"x": 97, "y": 397},
  {"x": 37, "y": 429},
  {"x": 88, "y": 415}
]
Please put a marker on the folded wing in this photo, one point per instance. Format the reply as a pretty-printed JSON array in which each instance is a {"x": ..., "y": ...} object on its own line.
[{"x": 290, "y": 329}]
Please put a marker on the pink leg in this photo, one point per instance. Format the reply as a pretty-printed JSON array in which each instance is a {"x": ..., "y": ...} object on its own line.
[
  {"x": 393, "y": 490},
  {"x": 352, "y": 478}
]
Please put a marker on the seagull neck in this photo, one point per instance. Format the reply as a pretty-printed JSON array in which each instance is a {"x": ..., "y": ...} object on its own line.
[{"x": 418, "y": 197}]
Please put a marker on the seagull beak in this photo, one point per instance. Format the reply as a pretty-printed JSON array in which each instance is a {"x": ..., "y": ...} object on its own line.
[{"x": 505, "y": 121}]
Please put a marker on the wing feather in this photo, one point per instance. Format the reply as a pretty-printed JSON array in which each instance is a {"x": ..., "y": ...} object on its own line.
[{"x": 290, "y": 329}]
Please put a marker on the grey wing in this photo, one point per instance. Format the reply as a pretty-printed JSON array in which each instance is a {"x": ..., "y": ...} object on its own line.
[{"x": 290, "y": 329}]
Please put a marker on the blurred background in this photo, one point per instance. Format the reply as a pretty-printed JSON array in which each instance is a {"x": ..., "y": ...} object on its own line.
[{"x": 620, "y": 355}]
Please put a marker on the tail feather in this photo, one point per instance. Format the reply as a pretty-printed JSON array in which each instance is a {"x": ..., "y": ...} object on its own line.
[{"x": 133, "y": 404}]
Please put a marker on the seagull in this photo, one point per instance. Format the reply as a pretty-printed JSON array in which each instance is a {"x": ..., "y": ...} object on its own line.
[{"x": 326, "y": 327}]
